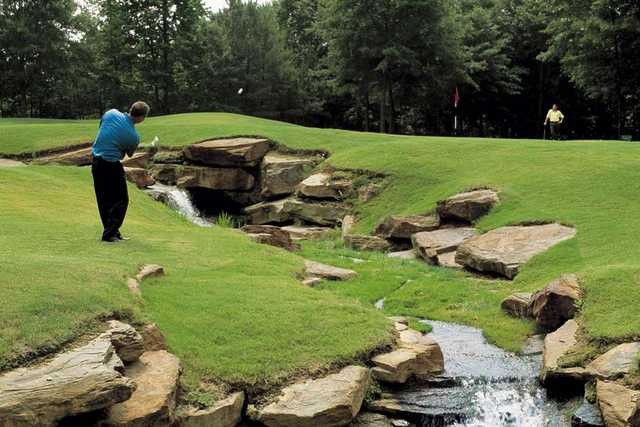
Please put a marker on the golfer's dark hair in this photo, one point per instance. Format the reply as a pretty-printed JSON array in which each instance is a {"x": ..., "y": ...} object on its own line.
[{"x": 139, "y": 109}]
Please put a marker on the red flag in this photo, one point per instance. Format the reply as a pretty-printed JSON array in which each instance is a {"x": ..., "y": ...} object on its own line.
[{"x": 456, "y": 98}]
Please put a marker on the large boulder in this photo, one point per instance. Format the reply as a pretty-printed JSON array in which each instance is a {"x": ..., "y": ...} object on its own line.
[
  {"x": 138, "y": 160},
  {"x": 224, "y": 413},
  {"x": 403, "y": 227},
  {"x": 306, "y": 233},
  {"x": 140, "y": 177},
  {"x": 557, "y": 302},
  {"x": 81, "y": 157},
  {"x": 271, "y": 235},
  {"x": 316, "y": 269},
  {"x": 325, "y": 185},
  {"x": 332, "y": 401},
  {"x": 81, "y": 380},
  {"x": 126, "y": 340},
  {"x": 273, "y": 212},
  {"x": 556, "y": 345},
  {"x": 620, "y": 405},
  {"x": 281, "y": 173},
  {"x": 468, "y": 206},
  {"x": 366, "y": 243},
  {"x": 153, "y": 338},
  {"x": 156, "y": 375},
  {"x": 430, "y": 244},
  {"x": 228, "y": 179},
  {"x": 618, "y": 361},
  {"x": 321, "y": 213},
  {"x": 518, "y": 304},
  {"x": 504, "y": 250},
  {"x": 165, "y": 173},
  {"x": 242, "y": 152}
]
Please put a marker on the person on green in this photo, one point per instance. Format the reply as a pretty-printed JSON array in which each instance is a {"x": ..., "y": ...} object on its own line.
[{"x": 555, "y": 119}]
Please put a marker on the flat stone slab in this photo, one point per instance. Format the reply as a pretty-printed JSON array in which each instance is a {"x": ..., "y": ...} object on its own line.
[
  {"x": 325, "y": 185},
  {"x": 332, "y": 401},
  {"x": 156, "y": 375},
  {"x": 505, "y": 250},
  {"x": 80, "y": 380},
  {"x": 366, "y": 243},
  {"x": 468, "y": 206},
  {"x": 270, "y": 235},
  {"x": 618, "y": 361},
  {"x": 306, "y": 233},
  {"x": 281, "y": 173},
  {"x": 272, "y": 212},
  {"x": 620, "y": 406},
  {"x": 403, "y": 227},
  {"x": 324, "y": 271},
  {"x": 8, "y": 163},
  {"x": 448, "y": 259},
  {"x": 228, "y": 152},
  {"x": 556, "y": 345},
  {"x": 430, "y": 244},
  {"x": 213, "y": 178},
  {"x": 319, "y": 212},
  {"x": 224, "y": 413},
  {"x": 82, "y": 157},
  {"x": 138, "y": 160}
]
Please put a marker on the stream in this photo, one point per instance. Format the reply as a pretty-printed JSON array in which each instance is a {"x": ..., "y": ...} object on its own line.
[{"x": 180, "y": 201}]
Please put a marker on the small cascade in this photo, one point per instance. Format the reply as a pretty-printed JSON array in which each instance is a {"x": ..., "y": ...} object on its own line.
[{"x": 180, "y": 201}]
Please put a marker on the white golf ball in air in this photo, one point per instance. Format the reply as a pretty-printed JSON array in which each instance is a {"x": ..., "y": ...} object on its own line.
[{"x": 240, "y": 91}]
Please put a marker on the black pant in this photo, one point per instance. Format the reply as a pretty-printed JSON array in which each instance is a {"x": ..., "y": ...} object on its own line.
[
  {"x": 555, "y": 130},
  {"x": 111, "y": 192}
]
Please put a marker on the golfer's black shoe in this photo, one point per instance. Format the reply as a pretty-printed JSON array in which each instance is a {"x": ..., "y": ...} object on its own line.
[
  {"x": 121, "y": 237},
  {"x": 112, "y": 239}
]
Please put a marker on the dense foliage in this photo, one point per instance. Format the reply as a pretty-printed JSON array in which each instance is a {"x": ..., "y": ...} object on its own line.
[{"x": 387, "y": 65}]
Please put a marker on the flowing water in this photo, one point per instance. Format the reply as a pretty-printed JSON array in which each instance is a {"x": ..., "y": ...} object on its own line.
[
  {"x": 180, "y": 201},
  {"x": 483, "y": 386}
]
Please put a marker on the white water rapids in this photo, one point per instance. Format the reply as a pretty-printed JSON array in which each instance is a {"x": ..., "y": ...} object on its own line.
[{"x": 179, "y": 201}]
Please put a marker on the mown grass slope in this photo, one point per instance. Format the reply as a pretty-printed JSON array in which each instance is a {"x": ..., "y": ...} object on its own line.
[{"x": 589, "y": 184}]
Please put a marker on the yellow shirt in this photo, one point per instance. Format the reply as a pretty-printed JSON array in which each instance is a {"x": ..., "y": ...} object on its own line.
[{"x": 555, "y": 116}]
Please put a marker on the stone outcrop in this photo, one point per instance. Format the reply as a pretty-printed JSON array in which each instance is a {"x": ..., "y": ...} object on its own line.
[
  {"x": 321, "y": 213},
  {"x": 239, "y": 152},
  {"x": 468, "y": 206},
  {"x": 280, "y": 173},
  {"x": 403, "y": 227},
  {"x": 80, "y": 380},
  {"x": 556, "y": 345},
  {"x": 126, "y": 340},
  {"x": 271, "y": 235},
  {"x": 306, "y": 233},
  {"x": 316, "y": 269},
  {"x": 367, "y": 243},
  {"x": 81, "y": 157},
  {"x": 149, "y": 270},
  {"x": 332, "y": 401},
  {"x": 620, "y": 406},
  {"x": 156, "y": 375},
  {"x": 224, "y": 413},
  {"x": 139, "y": 160},
  {"x": 165, "y": 173},
  {"x": 430, "y": 244},
  {"x": 226, "y": 179},
  {"x": 618, "y": 361},
  {"x": 273, "y": 212},
  {"x": 325, "y": 185},
  {"x": 504, "y": 250},
  {"x": 518, "y": 304},
  {"x": 8, "y": 163},
  {"x": 557, "y": 302},
  {"x": 140, "y": 177},
  {"x": 153, "y": 338}
]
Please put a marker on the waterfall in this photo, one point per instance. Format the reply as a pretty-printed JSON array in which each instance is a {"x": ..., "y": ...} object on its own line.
[{"x": 180, "y": 201}]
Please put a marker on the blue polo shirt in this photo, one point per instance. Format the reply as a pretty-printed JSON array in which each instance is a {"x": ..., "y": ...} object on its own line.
[{"x": 116, "y": 137}]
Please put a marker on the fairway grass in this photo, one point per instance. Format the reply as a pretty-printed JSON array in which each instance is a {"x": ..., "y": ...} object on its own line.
[{"x": 588, "y": 184}]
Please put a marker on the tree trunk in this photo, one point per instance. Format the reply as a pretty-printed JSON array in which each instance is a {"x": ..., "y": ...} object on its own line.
[{"x": 367, "y": 106}]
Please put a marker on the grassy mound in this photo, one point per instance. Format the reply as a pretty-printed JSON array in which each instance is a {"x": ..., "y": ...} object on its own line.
[{"x": 589, "y": 184}]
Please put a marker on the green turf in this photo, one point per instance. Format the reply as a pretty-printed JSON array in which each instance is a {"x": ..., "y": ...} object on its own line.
[
  {"x": 592, "y": 185},
  {"x": 231, "y": 309}
]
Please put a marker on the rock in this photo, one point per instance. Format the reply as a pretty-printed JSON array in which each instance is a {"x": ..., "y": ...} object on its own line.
[
  {"x": 556, "y": 303},
  {"x": 8, "y": 163},
  {"x": 325, "y": 185},
  {"x": 165, "y": 173},
  {"x": 312, "y": 281},
  {"x": 268, "y": 212},
  {"x": 126, "y": 340},
  {"x": 281, "y": 173},
  {"x": 518, "y": 304},
  {"x": 430, "y": 244},
  {"x": 587, "y": 415},
  {"x": 533, "y": 346},
  {"x": 505, "y": 250},
  {"x": 80, "y": 380},
  {"x": 348, "y": 222},
  {"x": 327, "y": 402},
  {"x": 306, "y": 233},
  {"x": 271, "y": 235},
  {"x": 140, "y": 177},
  {"x": 429, "y": 406},
  {"x": 369, "y": 191},
  {"x": 399, "y": 319},
  {"x": 82, "y": 157},
  {"x": 149, "y": 270},
  {"x": 242, "y": 152},
  {"x": 410, "y": 254},
  {"x": 403, "y": 227},
  {"x": 312, "y": 268},
  {"x": 231, "y": 179},
  {"x": 556, "y": 345},
  {"x": 134, "y": 286},
  {"x": 448, "y": 259},
  {"x": 366, "y": 243},
  {"x": 224, "y": 413},
  {"x": 153, "y": 338},
  {"x": 321, "y": 213},
  {"x": 618, "y": 361},
  {"x": 169, "y": 156},
  {"x": 468, "y": 206},
  {"x": 620, "y": 406},
  {"x": 370, "y": 419},
  {"x": 156, "y": 375},
  {"x": 243, "y": 198},
  {"x": 139, "y": 160}
]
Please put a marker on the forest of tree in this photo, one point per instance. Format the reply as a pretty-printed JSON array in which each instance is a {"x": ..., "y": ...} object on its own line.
[{"x": 377, "y": 65}]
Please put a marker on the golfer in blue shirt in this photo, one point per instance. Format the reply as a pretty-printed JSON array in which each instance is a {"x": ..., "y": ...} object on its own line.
[{"x": 116, "y": 137}]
